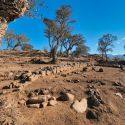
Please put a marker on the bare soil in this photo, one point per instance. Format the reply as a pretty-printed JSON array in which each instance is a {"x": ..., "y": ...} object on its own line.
[{"x": 111, "y": 112}]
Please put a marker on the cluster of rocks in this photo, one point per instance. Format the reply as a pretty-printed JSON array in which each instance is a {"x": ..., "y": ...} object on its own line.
[
  {"x": 73, "y": 81},
  {"x": 119, "y": 89},
  {"x": 92, "y": 68},
  {"x": 95, "y": 102},
  {"x": 113, "y": 65},
  {"x": 37, "y": 61},
  {"x": 41, "y": 98},
  {"x": 96, "y": 82},
  {"x": 23, "y": 78},
  {"x": 45, "y": 71},
  {"x": 11, "y": 86}
]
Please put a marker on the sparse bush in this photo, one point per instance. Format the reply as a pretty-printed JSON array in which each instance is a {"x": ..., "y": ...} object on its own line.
[{"x": 27, "y": 47}]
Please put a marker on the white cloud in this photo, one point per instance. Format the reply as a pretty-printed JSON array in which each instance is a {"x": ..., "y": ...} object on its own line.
[{"x": 121, "y": 40}]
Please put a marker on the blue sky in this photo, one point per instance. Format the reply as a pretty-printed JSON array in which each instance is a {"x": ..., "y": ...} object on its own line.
[{"x": 94, "y": 18}]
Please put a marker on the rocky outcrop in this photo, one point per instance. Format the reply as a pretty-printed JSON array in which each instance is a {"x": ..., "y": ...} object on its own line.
[{"x": 9, "y": 11}]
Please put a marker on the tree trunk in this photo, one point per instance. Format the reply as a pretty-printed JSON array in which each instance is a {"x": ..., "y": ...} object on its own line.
[
  {"x": 54, "y": 55},
  {"x": 102, "y": 55},
  {"x": 67, "y": 53},
  {"x": 106, "y": 57}
]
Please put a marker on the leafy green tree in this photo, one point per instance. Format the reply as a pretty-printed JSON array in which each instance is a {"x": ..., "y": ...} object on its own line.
[{"x": 105, "y": 44}]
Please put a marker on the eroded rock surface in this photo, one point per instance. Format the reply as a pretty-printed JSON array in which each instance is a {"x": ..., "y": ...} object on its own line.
[{"x": 9, "y": 11}]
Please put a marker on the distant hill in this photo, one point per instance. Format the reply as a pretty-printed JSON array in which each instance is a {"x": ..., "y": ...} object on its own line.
[{"x": 116, "y": 56}]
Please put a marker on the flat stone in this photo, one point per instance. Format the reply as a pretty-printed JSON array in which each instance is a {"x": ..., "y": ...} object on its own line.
[
  {"x": 80, "y": 106},
  {"x": 70, "y": 97},
  {"x": 52, "y": 102},
  {"x": 66, "y": 97},
  {"x": 36, "y": 100},
  {"x": 44, "y": 104},
  {"x": 119, "y": 94},
  {"x": 33, "y": 105}
]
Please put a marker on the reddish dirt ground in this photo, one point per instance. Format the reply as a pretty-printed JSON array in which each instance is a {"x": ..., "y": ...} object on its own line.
[{"x": 111, "y": 112}]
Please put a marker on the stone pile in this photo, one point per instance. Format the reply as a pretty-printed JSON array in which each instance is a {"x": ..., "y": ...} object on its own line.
[
  {"x": 48, "y": 70},
  {"x": 41, "y": 98},
  {"x": 95, "y": 104}
]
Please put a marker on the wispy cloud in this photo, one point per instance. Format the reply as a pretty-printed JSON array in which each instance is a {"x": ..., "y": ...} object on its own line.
[{"x": 121, "y": 40}]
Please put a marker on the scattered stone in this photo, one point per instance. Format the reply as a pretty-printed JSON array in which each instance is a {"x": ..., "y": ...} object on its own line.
[
  {"x": 100, "y": 70},
  {"x": 122, "y": 67},
  {"x": 43, "y": 105},
  {"x": 45, "y": 91},
  {"x": 94, "y": 98},
  {"x": 37, "y": 61},
  {"x": 80, "y": 106},
  {"x": 96, "y": 82},
  {"x": 63, "y": 75},
  {"x": 73, "y": 81},
  {"x": 93, "y": 101},
  {"x": 51, "y": 97},
  {"x": 52, "y": 102},
  {"x": 84, "y": 69},
  {"x": 24, "y": 77},
  {"x": 33, "y": 78},
  {"x": 70, "y": 97},
  {"x": 93, "y": 68},
  {"x": 66, "y": 97},
  {"x": 31, "y": 94},
  {"x": 33, "y": 105},
  {"x": 11, "y": 86},
  {"x": 22, "y": 102},
  {"x": 119, "y": 94},
  {"x": 36, "y": 100},
  {"x": 117, "y": 84},
  {"x": 93, "y": 114},
  {"x": 6, "y": 87}
]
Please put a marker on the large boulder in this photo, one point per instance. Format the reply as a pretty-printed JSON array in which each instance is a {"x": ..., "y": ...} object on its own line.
[
  {"x": 9, "y": 11},
  {"x": 80, "y": 106}
]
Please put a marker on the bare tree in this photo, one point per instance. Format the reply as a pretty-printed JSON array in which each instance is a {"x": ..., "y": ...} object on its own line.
[
  {"x": 34, "y": 7},
  {"x": 71, "y": 41},
  {"x": 56, "y": 29},
  {"x": 10, "y": 37},
  {"x": 27, "y": 47},
  {"x": 81, "y": 50},
  {"x": 105, "y": 44},
  {"x": 20, "y": 40},
  {"x": 13, "y": 41},
  {"x": 101, "y": 49}
]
